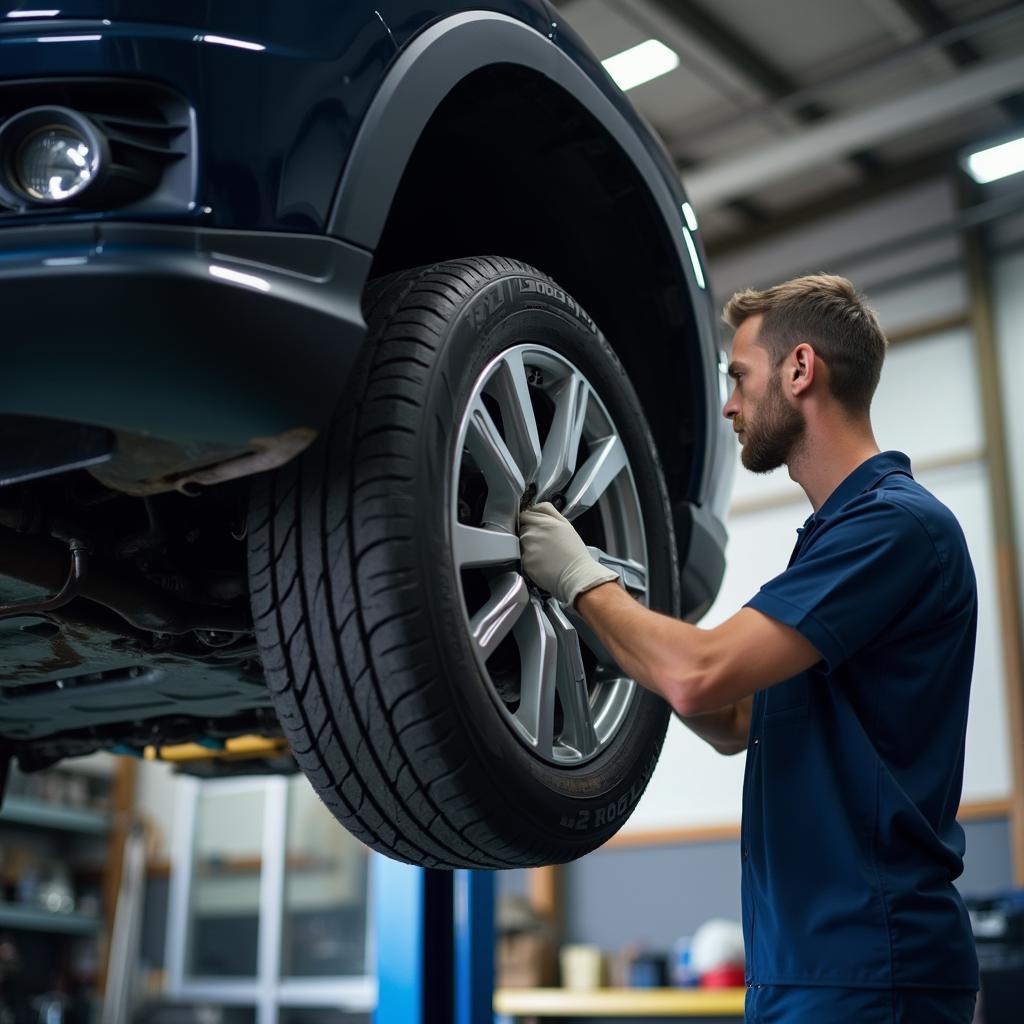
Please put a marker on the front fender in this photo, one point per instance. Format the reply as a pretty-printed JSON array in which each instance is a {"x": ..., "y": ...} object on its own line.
[{"x": 427, "y": 69}]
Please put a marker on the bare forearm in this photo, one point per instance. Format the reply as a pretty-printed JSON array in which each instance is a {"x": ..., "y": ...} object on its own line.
[
  {"x": 726, "y": 729},
  {"x": 666, "y": 656},
  {"x": 662, "y": 654},
  {"x": 698, "y": 671}
]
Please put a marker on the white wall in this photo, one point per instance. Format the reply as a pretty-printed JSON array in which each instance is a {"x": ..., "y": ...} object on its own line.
[
  {"x": 155, "y": 803},
  {"x": 1008, "y": 287},
  {"x": 927, "y": 405}
]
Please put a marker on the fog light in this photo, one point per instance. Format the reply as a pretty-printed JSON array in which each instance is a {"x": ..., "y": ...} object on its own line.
[
  {"x": 49, "y": 155},
  {"x": 54, "y": 164}
]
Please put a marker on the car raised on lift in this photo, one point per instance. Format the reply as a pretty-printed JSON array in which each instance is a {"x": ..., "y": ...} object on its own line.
[{"x": 302, "y": 305}]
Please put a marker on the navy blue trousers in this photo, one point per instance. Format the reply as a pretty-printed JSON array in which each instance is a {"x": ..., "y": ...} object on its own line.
[{"x": 786, "y": 1004}]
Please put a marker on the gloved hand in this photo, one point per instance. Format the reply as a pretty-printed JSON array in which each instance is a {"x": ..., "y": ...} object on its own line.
[{"x": 554, "y": 555}]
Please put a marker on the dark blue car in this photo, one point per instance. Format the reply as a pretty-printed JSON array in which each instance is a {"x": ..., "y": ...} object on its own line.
[{"x": 302, "y": 303}]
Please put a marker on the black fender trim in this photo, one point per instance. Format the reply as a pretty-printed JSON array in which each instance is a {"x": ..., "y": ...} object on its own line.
[
  {"x": 701, "y": 540},
  {"x": 423, "y": 74}
]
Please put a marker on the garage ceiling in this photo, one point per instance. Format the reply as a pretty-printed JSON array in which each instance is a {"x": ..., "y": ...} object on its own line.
[{"x": 791, "y": 106}]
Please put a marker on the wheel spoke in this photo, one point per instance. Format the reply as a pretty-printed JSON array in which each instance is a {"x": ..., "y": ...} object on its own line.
[
  {"x": 509, "y": 598},
  {"x": 513, "y": 396},
  {"x": 578, "y": 728},
  {"x": 558, "y": 456},
  {"x": 606, "y": 664},
  {"x": 603, "y": 465},
  {"x": 505, "y": 484},
  {"x": 479, "y": 546},
  {"x": 535, "y": 429},
  {"x": 538, "y": 655},
  {"x": 631, "y": 572}
]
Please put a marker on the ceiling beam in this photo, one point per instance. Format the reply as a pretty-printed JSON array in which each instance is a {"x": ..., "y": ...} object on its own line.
[
  {"x": 749, "y": 62},
  {"x": 747, "y": 207},
  {"x": 736, "y": 51},
  {"x": 931, "y": 20},
  {"x": 894, "y": 178},
  {"x": 748, "y": 210},
  {"x": 718, "y": 181},
  {"x": 915, "y": 48}
]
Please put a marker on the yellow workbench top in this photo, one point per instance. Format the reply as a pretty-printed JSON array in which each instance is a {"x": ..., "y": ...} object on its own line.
[{"x": 620, "y": 1002}]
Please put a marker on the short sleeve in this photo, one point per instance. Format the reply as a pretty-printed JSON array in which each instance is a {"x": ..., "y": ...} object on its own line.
[{"x": 864, "y": 571}]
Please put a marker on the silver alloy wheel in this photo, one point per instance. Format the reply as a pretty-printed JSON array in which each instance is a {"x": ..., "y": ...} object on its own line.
[{"x": 536, "y": 430}]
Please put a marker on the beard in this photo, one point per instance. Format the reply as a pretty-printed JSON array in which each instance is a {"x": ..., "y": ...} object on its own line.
[{"x": 778, "y": 428}]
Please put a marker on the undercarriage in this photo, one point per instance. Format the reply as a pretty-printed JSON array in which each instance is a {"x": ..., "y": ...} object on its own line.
[{"x": 118, "y": 613}]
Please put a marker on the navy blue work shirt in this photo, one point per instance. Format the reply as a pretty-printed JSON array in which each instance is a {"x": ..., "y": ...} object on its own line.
[{"x": 850, "y": 843}]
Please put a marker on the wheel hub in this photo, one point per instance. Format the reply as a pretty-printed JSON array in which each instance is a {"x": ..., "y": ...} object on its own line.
[{"x": 536, "y": 430}]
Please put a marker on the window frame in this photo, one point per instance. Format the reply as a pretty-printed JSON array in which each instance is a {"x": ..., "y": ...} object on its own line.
[{"x": 267, "y": 990}]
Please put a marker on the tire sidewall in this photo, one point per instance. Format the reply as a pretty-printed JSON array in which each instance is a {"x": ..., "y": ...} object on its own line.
[{"x": 574, "y": 802}]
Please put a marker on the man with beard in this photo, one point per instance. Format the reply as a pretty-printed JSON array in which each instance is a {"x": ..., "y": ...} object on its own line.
[{"x": 845, "y": 678}]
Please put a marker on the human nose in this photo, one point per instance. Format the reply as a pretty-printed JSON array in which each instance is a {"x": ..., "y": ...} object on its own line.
[{"x": 731, "y": 408}]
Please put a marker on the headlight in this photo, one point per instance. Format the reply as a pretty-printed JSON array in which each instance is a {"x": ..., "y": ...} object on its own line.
[{"x": 48, "y": 156}]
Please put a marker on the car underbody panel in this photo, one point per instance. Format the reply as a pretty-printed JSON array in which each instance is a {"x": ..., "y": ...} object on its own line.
[
  {"x": 124, "y": 621},
  {"x": 228, "y": 348}
]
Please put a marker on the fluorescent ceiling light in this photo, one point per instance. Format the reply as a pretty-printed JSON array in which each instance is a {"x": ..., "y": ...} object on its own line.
[
  {"x": 996, "y": 162},
  {"x": 641, "y": 63}
]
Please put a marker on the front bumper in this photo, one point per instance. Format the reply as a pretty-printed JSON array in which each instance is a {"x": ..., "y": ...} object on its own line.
[{"x": 205, "y": 353}]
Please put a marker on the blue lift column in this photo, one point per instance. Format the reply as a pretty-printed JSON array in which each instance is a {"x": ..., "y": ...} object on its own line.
[
  {"x": 434, "y": 935},
  {"x": 474, "y": 947}
]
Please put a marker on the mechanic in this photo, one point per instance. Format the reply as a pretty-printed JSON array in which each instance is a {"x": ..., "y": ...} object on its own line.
[{"x": 846, "y": 678}]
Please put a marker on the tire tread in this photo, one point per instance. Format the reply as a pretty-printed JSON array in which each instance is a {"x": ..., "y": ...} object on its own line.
[{"x": 335, "y": 592}]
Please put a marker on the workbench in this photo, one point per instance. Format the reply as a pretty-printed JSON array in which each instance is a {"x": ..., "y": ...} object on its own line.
[{"x": 620, "y": 1002}]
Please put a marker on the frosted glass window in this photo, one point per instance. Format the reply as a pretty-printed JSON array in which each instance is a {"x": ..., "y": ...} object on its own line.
[
  {"x": 224, "y": 902},
  {"x": 325, "y": 892}
]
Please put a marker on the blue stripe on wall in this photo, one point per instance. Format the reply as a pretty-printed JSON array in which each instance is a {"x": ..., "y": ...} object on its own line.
[{"x": 653, "y": 895}]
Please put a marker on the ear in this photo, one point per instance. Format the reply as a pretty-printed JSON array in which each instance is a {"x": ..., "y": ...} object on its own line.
[{"x": 800, "y": 369}]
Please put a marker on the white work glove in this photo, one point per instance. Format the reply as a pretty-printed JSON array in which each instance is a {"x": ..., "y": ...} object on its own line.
[{"x": 554, "y": 555}]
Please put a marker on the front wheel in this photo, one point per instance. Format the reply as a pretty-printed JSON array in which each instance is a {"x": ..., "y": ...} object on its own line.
[{"x": 447, "y": 711}]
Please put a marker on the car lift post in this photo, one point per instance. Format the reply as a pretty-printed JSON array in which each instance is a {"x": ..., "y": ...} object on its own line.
[{"x": 434, "y": 935}]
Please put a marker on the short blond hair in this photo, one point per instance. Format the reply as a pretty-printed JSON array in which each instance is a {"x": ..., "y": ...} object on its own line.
[{"x": 826, "y": 312}]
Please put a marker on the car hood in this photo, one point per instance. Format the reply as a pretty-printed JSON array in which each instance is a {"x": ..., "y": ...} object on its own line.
[
  {"x": 308, "y": 26},
  {"x": 170, "y": 12}
]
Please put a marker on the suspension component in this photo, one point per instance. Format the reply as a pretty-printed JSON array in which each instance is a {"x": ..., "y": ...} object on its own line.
[{"x": 70, "y": 590}]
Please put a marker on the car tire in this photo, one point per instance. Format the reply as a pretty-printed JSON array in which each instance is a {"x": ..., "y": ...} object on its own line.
[{"x": 388, "y": 649}]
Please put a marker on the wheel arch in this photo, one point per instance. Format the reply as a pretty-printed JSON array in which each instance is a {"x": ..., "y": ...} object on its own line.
[
  {"x": 605, "y": 221},
  {"x": 485, "y": 138}
]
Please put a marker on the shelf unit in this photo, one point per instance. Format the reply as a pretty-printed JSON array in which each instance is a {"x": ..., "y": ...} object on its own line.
[
  {"x": 23, "y": 811},
  {"x": 16, "y": 915},
  {"x": 38, "y": 829}
]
